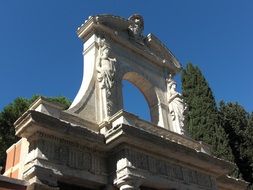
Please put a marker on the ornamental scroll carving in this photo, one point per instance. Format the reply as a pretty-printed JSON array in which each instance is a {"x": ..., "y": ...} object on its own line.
[
  {"x": 177, "y": 106},
  {"x": 106, "y": 69}
]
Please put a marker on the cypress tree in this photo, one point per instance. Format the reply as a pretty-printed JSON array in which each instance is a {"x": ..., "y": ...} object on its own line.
[
  {"x": 202, "y": 122},
  {"x": 238, "y": 126}
]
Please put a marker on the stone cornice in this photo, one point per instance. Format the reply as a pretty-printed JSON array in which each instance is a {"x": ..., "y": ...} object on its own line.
[
  {"x": 133, "y": 120},
  {"x": 33, "y": 121},
  {"x": 150, "y": 142},
  {"x": 227, "y": 183},
  {"x": 42, "y": 100}
]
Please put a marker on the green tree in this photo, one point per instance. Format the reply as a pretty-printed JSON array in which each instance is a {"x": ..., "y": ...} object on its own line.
[
  {"x": 238, "y": 126},
  {"x": 202, "y": 121},
  {"x": 10, "y": 114},
  {"x": 248, "y": 144}
]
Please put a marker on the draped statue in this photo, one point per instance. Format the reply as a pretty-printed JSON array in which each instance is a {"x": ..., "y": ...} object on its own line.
[
  {"x": 177, "y": 107},
  {"x": 105, "y": 68},
  {"x": 105, "y": 76}
]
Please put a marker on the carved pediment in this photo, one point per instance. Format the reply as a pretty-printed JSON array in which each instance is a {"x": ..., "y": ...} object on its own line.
[
  {"x": 159, "y": 49},
  {"x": 129, "y": 33}
]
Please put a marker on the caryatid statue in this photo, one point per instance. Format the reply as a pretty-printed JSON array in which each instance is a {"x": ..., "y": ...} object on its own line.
[
  {"x": 177, "y": 106},
  {"x": 105, "y": 76}
]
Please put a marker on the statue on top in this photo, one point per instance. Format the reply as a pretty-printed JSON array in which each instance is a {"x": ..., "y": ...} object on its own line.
[{"x": 136, "y": 28}]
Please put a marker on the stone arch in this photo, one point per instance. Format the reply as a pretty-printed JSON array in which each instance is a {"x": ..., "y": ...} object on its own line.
[
  {"x": 134, "y": 101},
  {"x": 147, "y": 89},
  {"x": 117, "y": 50}
]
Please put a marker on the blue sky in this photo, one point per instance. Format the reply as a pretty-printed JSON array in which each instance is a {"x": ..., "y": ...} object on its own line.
[{"x": 41, "y": 54}]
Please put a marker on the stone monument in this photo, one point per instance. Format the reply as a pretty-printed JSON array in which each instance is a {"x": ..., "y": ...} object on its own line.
[{"x": 95, "y": 144}]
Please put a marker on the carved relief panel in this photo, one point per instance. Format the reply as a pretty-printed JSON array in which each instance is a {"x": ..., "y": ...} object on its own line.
[
  {"x": 69, "y": 154},
  {"x": 144, "y": 166}
]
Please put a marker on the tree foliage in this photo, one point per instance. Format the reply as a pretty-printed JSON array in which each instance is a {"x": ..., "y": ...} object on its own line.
[
  {"x": 227, "y": 128},
  {"x": 202, "y": 121},
  {"x": 10, "y": 114},
  {"x": 248, "y": 142},
  {"x": 237, "y": 124}
]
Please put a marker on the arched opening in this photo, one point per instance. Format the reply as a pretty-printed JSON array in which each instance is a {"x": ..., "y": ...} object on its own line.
[
  {"x": 148, "y": 95},
  {"x": 134, "y": 101}
]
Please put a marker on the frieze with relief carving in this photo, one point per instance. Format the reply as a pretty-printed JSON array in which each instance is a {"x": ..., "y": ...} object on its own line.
[
  {"x": 165, "y": 169},
  {"x": 70, "y": 154}
]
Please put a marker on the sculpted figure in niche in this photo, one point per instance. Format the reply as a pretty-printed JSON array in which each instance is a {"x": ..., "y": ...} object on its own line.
[
  {"x": 136, "y": 28},
  {"x": 177, "y": 106},
  {"x": 105, "y": 75}
]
